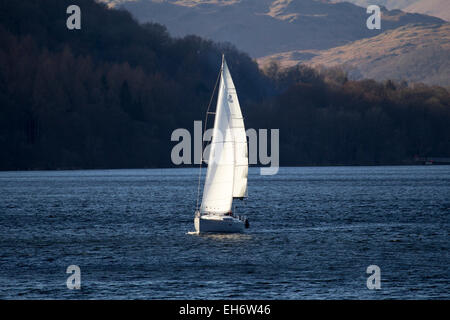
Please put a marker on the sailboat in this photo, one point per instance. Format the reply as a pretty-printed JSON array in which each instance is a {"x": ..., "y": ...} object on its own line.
[{"x": 226, "y": 176}]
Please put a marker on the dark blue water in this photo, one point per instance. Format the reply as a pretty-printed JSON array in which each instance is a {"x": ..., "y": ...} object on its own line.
[{"x": 313, "y": 233}]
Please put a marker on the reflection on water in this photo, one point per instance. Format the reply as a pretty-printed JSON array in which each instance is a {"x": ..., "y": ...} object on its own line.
[
  {"x": 222, "y": 236},
  {"x": 226, "y": 236}
]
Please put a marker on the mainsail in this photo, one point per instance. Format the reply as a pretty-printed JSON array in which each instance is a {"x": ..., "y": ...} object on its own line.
[
  {"x": 226, "y": 177},
  {"x": 240, "y": 137}
]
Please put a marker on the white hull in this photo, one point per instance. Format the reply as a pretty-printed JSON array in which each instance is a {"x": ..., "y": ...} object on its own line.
[{"x": 218, "y": 224}]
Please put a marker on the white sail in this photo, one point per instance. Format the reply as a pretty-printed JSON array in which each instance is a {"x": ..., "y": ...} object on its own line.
[
  {"x": 239, "y": 135},
  {"x": 218, "y": 189}
]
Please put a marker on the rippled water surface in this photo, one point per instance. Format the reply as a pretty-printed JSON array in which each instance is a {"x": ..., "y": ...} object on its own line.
[{"x": 313, "y": 233}]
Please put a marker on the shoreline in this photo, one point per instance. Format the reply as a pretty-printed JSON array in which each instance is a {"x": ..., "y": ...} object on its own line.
[{"x": 196, "y": 167}]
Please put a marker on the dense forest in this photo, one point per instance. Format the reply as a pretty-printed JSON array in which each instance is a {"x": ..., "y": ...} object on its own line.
[{"x": 110, "y": 94}]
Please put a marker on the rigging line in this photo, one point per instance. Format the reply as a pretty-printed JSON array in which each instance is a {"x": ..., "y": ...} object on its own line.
[{"x": 203, "y": 142}]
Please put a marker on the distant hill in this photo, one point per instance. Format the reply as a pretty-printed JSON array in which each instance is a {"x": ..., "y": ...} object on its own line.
[
  {"x": 417, "y": 53},
  {"x": 264, "y": 27},
  {"x": 436, "y": 8},
  {"x": 389, "y": 4}
]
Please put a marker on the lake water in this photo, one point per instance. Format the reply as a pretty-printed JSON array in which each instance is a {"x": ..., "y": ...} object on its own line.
[{"x": 313, "y": 232}]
